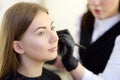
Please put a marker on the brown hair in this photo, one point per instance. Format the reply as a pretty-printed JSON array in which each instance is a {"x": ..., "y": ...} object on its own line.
[{"x": 16, "y": 21}]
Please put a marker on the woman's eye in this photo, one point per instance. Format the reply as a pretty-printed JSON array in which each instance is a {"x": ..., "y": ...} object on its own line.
[{"x": 41, "y": 33}]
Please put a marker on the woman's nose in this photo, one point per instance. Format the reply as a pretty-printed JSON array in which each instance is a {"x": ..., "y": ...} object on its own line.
[
  {"x": 95, "y": 2},
  {"x": 53, "y": 37}
]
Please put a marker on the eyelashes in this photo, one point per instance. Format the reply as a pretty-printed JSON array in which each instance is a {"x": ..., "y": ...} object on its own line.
[
  {"x": 53, "y": 28},
  {"x": 43, "y": 32}
]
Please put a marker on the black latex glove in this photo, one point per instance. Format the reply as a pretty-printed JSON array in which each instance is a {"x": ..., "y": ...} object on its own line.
[{"x": 66, "y": 48}]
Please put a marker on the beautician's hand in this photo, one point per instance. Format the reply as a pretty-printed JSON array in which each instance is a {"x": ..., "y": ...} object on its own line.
[{"x": 66, "y": 47}]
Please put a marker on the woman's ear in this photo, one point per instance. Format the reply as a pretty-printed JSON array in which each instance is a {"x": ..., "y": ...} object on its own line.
[{"x": 17, "y": 46}]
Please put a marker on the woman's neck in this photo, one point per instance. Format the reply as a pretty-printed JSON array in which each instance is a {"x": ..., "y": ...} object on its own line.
[{"x": 31, "y": 69}]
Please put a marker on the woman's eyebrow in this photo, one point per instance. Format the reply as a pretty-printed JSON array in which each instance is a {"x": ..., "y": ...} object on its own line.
[{"x": 43, "y": 27}]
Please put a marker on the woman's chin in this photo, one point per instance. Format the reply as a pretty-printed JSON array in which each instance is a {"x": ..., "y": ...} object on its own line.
[{"x": 52, "y": 57}]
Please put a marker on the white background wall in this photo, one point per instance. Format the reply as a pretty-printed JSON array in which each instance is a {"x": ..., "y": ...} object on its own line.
[{"x": 65, "y": 12}]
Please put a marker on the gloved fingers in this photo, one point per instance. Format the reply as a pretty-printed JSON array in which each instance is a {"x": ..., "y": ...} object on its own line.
[
  {"x": 64, "y": 33},
  {"x": 62, "y": 50},
  {"x": 66, "y": 37},
  {"x": 66, "y": 40}
]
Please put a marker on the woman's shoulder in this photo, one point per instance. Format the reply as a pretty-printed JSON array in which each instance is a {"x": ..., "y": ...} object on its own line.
[
  {"x": 8, "y": 77},
  {"x": 50, "y": 75},
  {"x": 46, "y": 75}
]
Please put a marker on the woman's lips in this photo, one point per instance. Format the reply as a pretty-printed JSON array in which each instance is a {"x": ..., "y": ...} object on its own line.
[
  {"x": 97, "y": 11},
  {"x": 53, "y": 49}
]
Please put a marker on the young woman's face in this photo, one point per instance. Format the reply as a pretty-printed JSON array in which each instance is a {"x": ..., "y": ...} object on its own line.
[
  {"x": 40, "y": 40},
  {"x": 103, "y": 9}
]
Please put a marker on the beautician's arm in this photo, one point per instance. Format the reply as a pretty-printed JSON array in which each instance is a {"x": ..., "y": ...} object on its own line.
[{"x": 78, "y": 72}]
